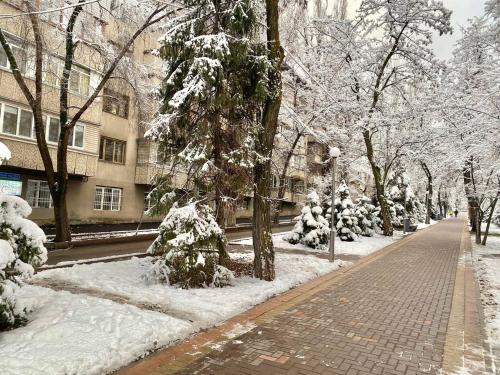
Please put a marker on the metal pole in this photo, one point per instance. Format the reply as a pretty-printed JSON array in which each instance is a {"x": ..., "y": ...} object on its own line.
[{"x": 332, "y": 213}]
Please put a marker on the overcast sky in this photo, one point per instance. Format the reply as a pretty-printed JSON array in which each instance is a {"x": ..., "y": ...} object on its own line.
[{"x": 462, "y": 11}]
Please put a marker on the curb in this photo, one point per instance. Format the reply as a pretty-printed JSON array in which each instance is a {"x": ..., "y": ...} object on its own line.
[
  {"x": 181, "y": 354},
  {"x": 134, "y": 238}
]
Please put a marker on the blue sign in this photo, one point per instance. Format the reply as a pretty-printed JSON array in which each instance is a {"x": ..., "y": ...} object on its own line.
[{"x": 10, "y": 176}]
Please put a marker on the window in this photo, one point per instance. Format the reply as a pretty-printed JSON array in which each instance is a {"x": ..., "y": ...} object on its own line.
[
  {"x": 298, "y": 161},
  {"x": 112, "y": 150},
  {"x": 19, "y": 54},
  {"x": 53, "y": 130},
  {"x": 19, "y": 122},
  {"x": 38, "y": 194},
  {"x": 76, "y": 138},
  {"x": 107, "y": 198},
  {"x": 10, "y": 115},
  {"x": 115, "y": 103},
  {"x": 79, "y": 80}
]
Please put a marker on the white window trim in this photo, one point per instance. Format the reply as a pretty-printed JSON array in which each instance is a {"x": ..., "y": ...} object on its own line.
[
  {"x": 47, "y": 122},
  {"x": 102, "y": 188}
]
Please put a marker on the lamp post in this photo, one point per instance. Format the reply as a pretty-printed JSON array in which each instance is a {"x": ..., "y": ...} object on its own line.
[{"x": 334, "y": 154}]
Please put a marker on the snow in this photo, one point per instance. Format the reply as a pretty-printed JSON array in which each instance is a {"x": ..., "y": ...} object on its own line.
[
  {"x": 98, "y": 336},
  {"x": 362, "y": 247},
  {"x": 4, "y": 153},
  {"x": 423, "y": 225},
  {"x": 77, "y": 334},
  {"x": 206, "y": 307},
  {"x": 487, "y": 262},
  {"x": 88, "y": 260}
]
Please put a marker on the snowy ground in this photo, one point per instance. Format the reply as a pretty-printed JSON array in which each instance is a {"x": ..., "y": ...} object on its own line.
[
  {"x": 78, "y": 334},
  {"x": 488, "y": 272},
  {"x": 362, "y": 247},
  {"x": 494, "y": 229}
]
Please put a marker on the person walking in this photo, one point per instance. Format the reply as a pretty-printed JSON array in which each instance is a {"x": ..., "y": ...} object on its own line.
[{"x": 456, "y": 212}]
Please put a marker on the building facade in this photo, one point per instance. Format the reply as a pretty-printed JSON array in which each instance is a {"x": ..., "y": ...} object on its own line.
[{"x": 111, "y": 165}]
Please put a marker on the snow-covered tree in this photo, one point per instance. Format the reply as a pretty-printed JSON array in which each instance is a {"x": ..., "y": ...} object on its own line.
[
  {"x": 367, "y": 220},
  {"x": 311, "y": 228},
  {"x": 21, "y": 249},
  {"x": 404, "y": 203},
  {"x": 346, "y": 220},
  {"x": 188, "y": 246},
  {"x": 209, "y": 95}
]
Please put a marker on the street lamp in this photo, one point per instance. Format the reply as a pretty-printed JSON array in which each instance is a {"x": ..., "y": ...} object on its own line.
[{"x": 334, "y": 154}]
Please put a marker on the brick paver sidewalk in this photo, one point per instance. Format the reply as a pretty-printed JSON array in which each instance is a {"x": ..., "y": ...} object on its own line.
[{"x": 387, "y": 317}]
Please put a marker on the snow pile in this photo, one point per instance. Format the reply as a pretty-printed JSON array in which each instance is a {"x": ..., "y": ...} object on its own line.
[
  {"x": 311, "y": 228},
  {"x": 21, "y": 248},
  {"x": 77, "y": 334},
  {"x": 188, "y": 242},
  {"x": 205, "y": 307},
  {"x": 488, "y": 271},
  {"x": 367, "y": 220}
]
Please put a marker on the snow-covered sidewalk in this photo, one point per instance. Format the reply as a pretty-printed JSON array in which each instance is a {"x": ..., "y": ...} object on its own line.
[
  {"x": 79, "y": 334},
  {"x": 487, "y": 261},
  {"x": 364, "y": 246}
]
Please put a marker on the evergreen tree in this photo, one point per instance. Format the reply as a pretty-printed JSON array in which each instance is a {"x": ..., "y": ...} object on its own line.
[
  {"x": 402, "y": 200},
  {"x": 311, "y": 228},
  {"x": 345, "y": 215},
  {"x": 188, "y": 245},
  {"x": 211, "y": 87},
  {"x": 364, "y": 212}
]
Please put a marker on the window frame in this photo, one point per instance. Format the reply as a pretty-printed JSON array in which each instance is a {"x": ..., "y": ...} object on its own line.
[
  {"x": 47, "y": 119},
  {"x": 36, "y": 200},
  {"x": 111, "y": 203},
  {"x": 111, "y": 97},
  {"x": 103, "y": 141}
]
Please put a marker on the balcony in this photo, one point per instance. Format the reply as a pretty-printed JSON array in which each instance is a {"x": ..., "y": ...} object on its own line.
[
  {"x": 25, "y": 154},
  {"x": 151, "y": 163}
]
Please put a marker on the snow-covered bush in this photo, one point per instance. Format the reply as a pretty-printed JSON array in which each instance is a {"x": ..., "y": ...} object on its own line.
[
  {"x": 187, "y": 243},
  {"x": 496, "y": 218},
  {"x": 345, "y": 215},
  {"x": 311, "y": 228},
  {"x": 364, "y": 212},
  {"x": 21, "y": 248}
]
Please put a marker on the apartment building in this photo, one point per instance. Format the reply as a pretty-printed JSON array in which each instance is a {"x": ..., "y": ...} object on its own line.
[{"x": 111, "y": 165}]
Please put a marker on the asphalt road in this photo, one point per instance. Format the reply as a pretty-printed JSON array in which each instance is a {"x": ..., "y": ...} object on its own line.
[{"x": 125, "y": 248}]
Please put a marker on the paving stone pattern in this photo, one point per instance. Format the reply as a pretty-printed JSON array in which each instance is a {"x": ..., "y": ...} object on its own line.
[{"x": 389, "y": 317}]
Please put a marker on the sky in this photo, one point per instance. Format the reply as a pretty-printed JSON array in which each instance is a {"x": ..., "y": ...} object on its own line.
[{"x": 462, "y": 11}]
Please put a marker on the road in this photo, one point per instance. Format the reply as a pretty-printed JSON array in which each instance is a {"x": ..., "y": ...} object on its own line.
[{"x": 125, "y": 248}]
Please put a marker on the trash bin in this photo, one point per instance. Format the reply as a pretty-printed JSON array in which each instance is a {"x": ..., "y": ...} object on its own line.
[{"x": 406, "y": 225}]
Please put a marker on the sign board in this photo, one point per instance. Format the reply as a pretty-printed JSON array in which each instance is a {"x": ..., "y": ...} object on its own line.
[
  {"x": 11, "y": 187},
  {"x": 10, "y": 176}
]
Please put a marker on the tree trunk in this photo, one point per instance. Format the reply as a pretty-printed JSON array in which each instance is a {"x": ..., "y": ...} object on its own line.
[
  {"x": 490, "y": 216},
  {"x": 220, "y": 206},
  {"x": 63, "y": 231},
  {"x": 472, "y": 200},
  {"x": 479, "y": 219},
  {"x": 282, "y": 187},
  {"x": 379, "y": 187},
  {"x": 261, "y": 230},
  {"x": 429, "y": 193}
]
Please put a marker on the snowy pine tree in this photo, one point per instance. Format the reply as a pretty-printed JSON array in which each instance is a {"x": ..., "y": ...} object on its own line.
[
  {"x": 188, "y": 245},
  {"x": 403, "y": 201},
  {"x": 21, "y": 248},
  {"x": 311, "y": 228},
  {"x": 345, "y": 215},
  {"x": 364, "y": 212},
  {"x": 208, "y": 95}
]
